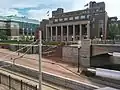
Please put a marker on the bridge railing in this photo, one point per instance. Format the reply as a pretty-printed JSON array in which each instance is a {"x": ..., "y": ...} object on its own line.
[
  {"x": 15, "y": 84},
  {"x": 104, "y": 41}
]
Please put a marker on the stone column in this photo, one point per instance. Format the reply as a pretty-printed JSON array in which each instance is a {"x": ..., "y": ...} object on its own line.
[
  {"x": 80, "y": 38},
  {"x": 73, "y": 32},
  {"x": 67, "y": 33},
  {"x": 51, "y": 33},
  {"x": 23, "y": 32},
  {"x": 27, "y": 31},
  {"x": 31, "y": 31},
  {"x": 56, "y": 33},
  {"x": 61, "y": 33},
  {"x": 88, "y": 30},
  {"x": 46, "y": 33}
]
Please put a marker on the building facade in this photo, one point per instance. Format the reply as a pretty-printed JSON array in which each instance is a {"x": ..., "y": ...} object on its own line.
[
  {"x": 89, "y": 23},
  {"x": 18, "y": 26}
]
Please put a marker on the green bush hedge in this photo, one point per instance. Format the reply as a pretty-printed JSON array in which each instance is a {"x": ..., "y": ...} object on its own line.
[
  {"x": 14, "y": 42},
  {"x": 53, "y": 43}
]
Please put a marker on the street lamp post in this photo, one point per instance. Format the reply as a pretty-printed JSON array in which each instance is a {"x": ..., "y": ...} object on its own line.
[
  {"x": 72, "y": 38},
  {"x": 18, "y": 40},
  {"x": 101, "y": 37},
  {"x": 18, "y": 45},
  {"x": 40, "y": 61},
  {"x": 79, "y": 46}
]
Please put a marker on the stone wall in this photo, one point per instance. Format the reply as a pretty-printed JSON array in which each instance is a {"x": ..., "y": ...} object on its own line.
[{"x": 70, "y": 54}]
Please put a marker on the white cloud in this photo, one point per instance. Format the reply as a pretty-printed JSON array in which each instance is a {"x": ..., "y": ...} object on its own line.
[
  {"x": 112, "y": 6},
  {"x": 39, "y": 14},
  {"x": 7, "y": 12}
]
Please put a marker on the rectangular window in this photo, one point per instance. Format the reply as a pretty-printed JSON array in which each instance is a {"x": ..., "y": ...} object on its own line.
[
  {"x": 85, "y": 11},
  {"x": 96, "y": 14},
  {"x": 116, "y": 25},
  {"x": 101, "y": 21},
  {"x": 60, "y": 19},
  {"x": 56, "y": 20},
  {"x": 71, "y": 18},
  {"x": 77, "y": 17},
  {"x": 82, "y": 17},
  {"x": 65, "y": 19},
  {"x": 93, "y": 19},
  {"x": 112, "y": 19},
  {"x": 88, "y": 16},
  {"x": 50, "y": 21}
]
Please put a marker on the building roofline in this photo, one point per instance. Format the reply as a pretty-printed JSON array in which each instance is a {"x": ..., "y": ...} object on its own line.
[{"x": 18, "y": 19}]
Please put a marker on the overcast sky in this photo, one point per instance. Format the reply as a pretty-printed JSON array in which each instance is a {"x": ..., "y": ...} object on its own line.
[{"x": 37, "y": 9}]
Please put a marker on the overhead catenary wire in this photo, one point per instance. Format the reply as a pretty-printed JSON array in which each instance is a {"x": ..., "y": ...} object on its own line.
[
  {"x": 23, "y": 54},
  {"x": 65, "y": 68},
  {"x": 44, "y": 61},
  {"x": 45, "y": 51},
  {"x": 18, "y": 50},
  {"x": 17, "y": 57}
]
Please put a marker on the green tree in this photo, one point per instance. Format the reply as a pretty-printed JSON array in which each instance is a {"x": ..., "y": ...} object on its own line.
[
  {"x": 119, "y": 28},
  {"x": 3, "y": 35},
  {"x": 113, "y": 31}
]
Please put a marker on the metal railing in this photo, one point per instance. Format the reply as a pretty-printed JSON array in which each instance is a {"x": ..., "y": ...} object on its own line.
[
  {"x": 103, "y": 41},
  {"x": 15, "y": 84}
]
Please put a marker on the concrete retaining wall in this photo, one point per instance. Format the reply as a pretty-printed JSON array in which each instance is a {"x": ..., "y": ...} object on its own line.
[
  {"x": 74, "y": 85},
  {"x": 70, "y": 54}
]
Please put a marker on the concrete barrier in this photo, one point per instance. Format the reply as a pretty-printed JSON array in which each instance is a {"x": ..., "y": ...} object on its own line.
[{"x": 62, "y": 81}]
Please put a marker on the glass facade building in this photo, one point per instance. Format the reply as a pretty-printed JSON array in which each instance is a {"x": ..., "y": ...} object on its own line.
[{"x": 18, "y": 26}]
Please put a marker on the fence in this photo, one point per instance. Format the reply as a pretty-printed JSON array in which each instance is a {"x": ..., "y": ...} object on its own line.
[
  {"x": 103, "y": 41},
  {"x": 15, "y": 84}
]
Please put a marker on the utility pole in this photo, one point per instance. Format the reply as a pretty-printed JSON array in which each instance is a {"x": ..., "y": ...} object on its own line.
[
  {"x": 78, "y": 59},
  {"x": 40, "y": 61},
  {"x": 79, "y": 47},
  {"x": 18, "y": 39}
]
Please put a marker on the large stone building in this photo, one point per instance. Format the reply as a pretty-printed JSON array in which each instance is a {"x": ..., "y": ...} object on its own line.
[
  {"x": 89, "y": 23},
  {"x": 18, "y": 26}
]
